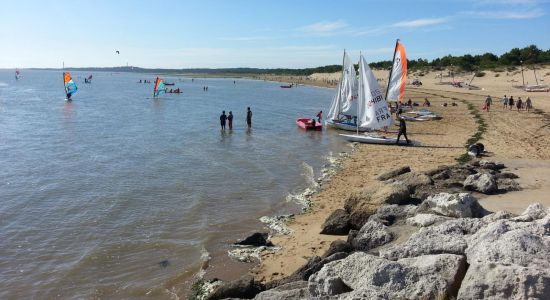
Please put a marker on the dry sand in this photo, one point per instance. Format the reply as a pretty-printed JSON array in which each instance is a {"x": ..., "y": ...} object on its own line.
[{"x": 519, "y": 139}]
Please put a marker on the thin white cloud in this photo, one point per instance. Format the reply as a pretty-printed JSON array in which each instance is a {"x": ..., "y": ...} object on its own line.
[
  {"x": 247, "y": 38},
  {"x": 324, "y": 28},
  {"x": 420, "y": 22},
  {"x": 508, "y": 14}
]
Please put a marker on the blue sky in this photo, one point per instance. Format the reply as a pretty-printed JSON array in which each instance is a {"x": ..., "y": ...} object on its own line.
[{"x": 247, "y": 33}]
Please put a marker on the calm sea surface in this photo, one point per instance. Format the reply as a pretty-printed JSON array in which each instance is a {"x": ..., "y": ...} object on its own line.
[{"x": 96, "y": 193}]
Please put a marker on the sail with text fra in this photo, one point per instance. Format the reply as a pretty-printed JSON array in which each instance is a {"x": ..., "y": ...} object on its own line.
[
  {"x": 70, "y": 86},
  {"x": 159, "y": 87},
  {"x": 398, "y": 74}
]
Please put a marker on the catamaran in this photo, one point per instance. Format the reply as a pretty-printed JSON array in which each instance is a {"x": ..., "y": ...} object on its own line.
[
  {"x": 17, "y": 74},
  {"x": 70, "y": 86},
  {"x": 159, "y": 87}
]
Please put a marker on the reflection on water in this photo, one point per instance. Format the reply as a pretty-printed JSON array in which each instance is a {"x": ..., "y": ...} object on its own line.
[{"x": 101, "y": 193}]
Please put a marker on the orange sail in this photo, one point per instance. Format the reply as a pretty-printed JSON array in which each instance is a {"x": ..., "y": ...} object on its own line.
[
  {"x": 398, "y": 74},
  {"x": 70, "y": 86}
]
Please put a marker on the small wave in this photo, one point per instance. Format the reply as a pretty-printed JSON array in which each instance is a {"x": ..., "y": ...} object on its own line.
[
  {"x": 278, "y": 223},
  {"x": 3, "y": 84},
  {"x": 205, "y": 262}
]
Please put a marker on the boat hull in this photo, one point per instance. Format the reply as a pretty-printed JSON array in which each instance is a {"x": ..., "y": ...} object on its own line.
[
  {"x": 372, "y": 139},
  {"x": 346, "y": 126},
  {"x": 305, "y": 124}
]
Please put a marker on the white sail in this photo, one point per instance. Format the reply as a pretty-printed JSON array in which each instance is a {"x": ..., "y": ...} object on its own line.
[
  {"x": 349, "y": 88},
  {"x": 398, "y": 77},
  {"x": 345, "y": 100},
  {"x": 372, "y": 110}
]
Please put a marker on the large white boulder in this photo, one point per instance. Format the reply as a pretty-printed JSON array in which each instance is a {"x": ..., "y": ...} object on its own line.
[{"x": 461, "y": 205}]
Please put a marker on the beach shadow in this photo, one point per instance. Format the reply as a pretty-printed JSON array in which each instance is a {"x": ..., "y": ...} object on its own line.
[{"x": 439, "y": 147}]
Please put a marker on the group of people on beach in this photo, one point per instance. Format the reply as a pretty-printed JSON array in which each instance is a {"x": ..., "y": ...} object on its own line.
[
  {"x": 510, "y": 103},
  {"x": 229, "y": 119}
]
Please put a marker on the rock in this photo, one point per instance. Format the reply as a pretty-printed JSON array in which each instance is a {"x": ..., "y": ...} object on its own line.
[
  {"x": 361, "y": 275},
  {"x": 483, "y": 183},
  {"x": 337, "y": 223},
  {"x": 437, "y": 170},
  {"x": 424, "y": 220},
  {"x": 412, "y": 180},
  {"x": 508, "y": 185},
  {"x": 257, "y": 239},
  {"x": 338, "y": 246},
  {"x": 393, "y": 173},
  {"x": 499, "y": 215},
  {"x": 533, "y": 212},
  {"x": 290, "y": 291},
  {"x": 491, "y": 165},
  {"x": 249, "y": 254},
  {"x": 462, "y": 205},
  {"x": 393, "y": 214},
  {"x": 371, "y": 235},
  {"x": 506, "y": 175},
  {"x": 362, "y": 204},
  {"x": 497, "y": 281},
  {"x": 245, "y": 287}
]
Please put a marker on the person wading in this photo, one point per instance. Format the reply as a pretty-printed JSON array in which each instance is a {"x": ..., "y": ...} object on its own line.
[
  {"x": 230, "y": 120},
  {"x": 223, "y": 117},
  {"x": 248, "y": 117}
]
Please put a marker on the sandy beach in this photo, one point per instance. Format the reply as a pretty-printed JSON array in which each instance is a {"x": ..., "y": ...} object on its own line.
[{"x": 521, "y": 140}]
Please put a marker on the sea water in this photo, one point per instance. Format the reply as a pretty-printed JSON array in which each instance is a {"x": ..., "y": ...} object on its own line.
[{"x": 119, "y": 195}]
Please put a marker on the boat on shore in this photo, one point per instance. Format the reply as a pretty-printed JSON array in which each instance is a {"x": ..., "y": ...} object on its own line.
[
  {"x": 370, "y": 139},
  {"x": 286, "y": 86},
  {"x": 309, "y": 124}
]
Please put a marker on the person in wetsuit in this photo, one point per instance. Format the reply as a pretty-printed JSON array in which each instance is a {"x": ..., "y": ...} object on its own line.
[
  {"x": 223, "y": 117},
  {"x": 402, "y": 130},
  {"x": 230, "y": 120},
  {"x": 248, "y": 117}
]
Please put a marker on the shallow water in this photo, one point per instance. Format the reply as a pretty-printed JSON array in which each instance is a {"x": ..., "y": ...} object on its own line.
[{"x": 97, "y": 192}]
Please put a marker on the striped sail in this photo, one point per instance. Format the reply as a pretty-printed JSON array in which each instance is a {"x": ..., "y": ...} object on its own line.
[
  {"x": 159, "y": 87},
  {"x": 70, "y": 86},
  {"x": 398, "y": 79}
]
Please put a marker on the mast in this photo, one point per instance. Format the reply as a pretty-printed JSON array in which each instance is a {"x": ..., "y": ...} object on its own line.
[
  {"x": 534, "y": 72},
  {"x": 359, "y": 94},
  {"x": 340, "y": 86},
  {"x": 391, "y": 71}
]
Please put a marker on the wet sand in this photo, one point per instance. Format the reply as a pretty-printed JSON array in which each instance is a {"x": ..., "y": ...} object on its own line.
[{"x": 519, "y": 139}]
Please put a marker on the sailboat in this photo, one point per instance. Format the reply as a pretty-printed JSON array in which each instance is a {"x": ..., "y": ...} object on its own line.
[
  {"x": 343, "y": 110},
  {"x": 17, "y": 74},
  {"x": 70, "y": 86},
  {"x": 372, "y": 109},
  {"x": 159, "y": 87},
  {"x": 88, "y": 80}
]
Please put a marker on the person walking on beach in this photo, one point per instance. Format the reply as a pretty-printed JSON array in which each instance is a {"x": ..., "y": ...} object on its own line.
[
  {"x": 248, "y": 117},
  {"x": 402, "y": 130},
  {"x": 230, "y": 120},
  {"x": 519, "y": 104},
  {"x": 223, "y": 117},
  {"x": 319, "y": 116},
  {"x": 504, "y": 102},
  {"x": 488, "y": 102},
  {"x": 511, "y": 102},
  {"x": 528, "y": 104}
]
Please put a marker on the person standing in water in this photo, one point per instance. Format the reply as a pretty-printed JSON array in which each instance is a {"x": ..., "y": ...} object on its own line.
[
  {"x": 248, "y": 117},
  {"x": 230, "y": 120},
  {"x": 223, "y": 117},
  {"x": 402, "y": 130}
]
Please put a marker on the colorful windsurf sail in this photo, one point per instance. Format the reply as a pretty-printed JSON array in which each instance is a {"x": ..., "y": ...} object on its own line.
[
  {"x": 398, "y": 74},
  {"x": 70, "y": 86},
  {"x": 159, "y": 87},
  {"x": 17, "y": 74}
]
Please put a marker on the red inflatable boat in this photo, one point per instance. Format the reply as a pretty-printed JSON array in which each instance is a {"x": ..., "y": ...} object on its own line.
[{"x": 309, "y": 124}]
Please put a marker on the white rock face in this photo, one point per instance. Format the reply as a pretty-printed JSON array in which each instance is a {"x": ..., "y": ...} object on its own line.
[
  {"x": 481, "y": 182},
  {"x": 371, "y": 235},
  {"x": 534, "y": 211},
  {"x": 364, "y": 276},
  {"x": 424, "y": 220},
  {"x": 462, "y": 205}
]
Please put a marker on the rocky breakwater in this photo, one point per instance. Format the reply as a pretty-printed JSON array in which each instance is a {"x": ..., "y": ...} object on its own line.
[{"x": 452, "y": 247}]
